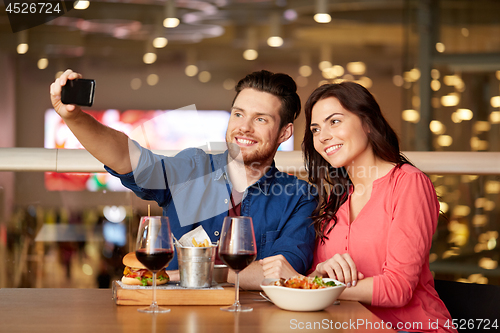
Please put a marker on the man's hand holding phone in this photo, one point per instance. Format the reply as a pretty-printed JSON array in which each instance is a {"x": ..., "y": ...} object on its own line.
[{"x": 74, "y": 91}]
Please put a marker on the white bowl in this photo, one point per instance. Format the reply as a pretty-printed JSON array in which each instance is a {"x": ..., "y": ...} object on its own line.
[{"x": 302, "y": 299}]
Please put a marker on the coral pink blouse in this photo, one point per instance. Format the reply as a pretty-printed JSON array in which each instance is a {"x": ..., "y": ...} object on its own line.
[{"x": 390, "y": 240}]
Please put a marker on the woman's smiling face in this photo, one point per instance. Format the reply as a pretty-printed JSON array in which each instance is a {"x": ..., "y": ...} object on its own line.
[{"x": 338, "y": 134}]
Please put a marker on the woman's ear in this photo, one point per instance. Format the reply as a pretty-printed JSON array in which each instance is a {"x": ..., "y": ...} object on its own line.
[{"x": 366, "y": 128}]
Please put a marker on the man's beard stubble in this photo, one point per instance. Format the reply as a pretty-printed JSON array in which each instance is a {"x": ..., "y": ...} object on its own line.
[{"x": 256, "y": 159}]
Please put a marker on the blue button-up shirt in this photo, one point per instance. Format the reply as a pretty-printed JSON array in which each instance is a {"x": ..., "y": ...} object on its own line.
[{"x": 193, "y": 188}]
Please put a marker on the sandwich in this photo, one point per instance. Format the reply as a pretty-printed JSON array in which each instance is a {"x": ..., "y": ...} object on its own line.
[{"x": 136, "y": 273}]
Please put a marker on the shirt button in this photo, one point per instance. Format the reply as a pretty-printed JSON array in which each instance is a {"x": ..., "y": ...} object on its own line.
[
  {"x": 225, "y": 201},
  {"x": 216, "y": 233}
]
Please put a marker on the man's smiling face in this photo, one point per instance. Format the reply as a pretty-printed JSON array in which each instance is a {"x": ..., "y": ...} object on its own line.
[{"x": 253, "y": 127}]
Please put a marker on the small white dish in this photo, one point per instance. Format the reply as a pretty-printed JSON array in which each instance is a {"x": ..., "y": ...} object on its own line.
[{"x": 293, "y": 299}]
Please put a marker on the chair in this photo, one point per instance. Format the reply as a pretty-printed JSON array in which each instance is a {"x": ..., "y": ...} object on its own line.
[{"x": 471, "y": 305}]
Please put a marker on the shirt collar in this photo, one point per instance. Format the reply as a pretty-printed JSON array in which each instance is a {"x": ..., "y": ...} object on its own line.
[{"x": 263, "y": 184}]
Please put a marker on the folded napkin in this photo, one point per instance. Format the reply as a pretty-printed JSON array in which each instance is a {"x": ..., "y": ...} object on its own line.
[{"x": 197, "y": 237}]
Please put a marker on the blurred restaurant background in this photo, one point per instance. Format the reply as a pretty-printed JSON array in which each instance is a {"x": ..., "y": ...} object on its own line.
[{"x": 433, "y": 65}]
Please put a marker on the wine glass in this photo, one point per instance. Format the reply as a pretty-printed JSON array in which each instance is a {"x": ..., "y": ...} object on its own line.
[
  {"x": 155, "y": 250},
  {"x": 237, "y": 250}
]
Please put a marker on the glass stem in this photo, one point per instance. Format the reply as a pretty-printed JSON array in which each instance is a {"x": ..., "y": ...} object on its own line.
[
  {"x": 237, "y": 290},
  {"x": 154, "y": 289}
]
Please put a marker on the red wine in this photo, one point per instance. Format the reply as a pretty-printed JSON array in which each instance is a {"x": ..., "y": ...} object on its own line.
[
  {"x": 238, "y": 261},
  {"x": 156, "y": 260}
]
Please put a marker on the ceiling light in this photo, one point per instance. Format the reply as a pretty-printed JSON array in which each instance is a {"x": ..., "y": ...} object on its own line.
[
  {"x": 455, "y": 118},
  {"x": 464, "y": 114},
  {"x": 170, "y": 21},
  {"x": 251, "y": 52},
  {"x": 325, "y": 57},
  {"x": 356, "y": 67},
  {"x": 204, "y": 76},
  {"x": 495, "y": 117},
  {"x": 482, "y": 126},
  {"x": 338, "y": 70},
  {"x": 492, "y": 187},
  {"x": 322, "y": 18},
  {"x": 435, "y": 85},
  {"x": 495, "y": 101},
  {"x": 22, "y": 42},
  {"x": 324, "y": 65},
  {"x": 328, "y": 73},
  {"x": 191, "y": 70},
  {"x": 444, "y": 140},
  {"x": 410, "y": 115},
  {"x": 149, "y": 58},
  {"x": 443, "y": 206},
  {"x": 365, "y": 81},
  {"x": 435, "y": 74},
  {"x": 450, "y": 100},
  {"x": 437, "y": 127},
  {"x": 152, "y": 79},
  {"x": 81, "y": 5},
  {"x": 322, "y": 15},
  {"x": 305, "y": 70},
  {"x": 415, "y": 74},
  {"x": 275, "y": 39},
  {"x": 440, "y": 47},
  {"x": 487, "y": 263},
  {"x": 160, "y": 42},
  {"x": 43, "y": 63}
]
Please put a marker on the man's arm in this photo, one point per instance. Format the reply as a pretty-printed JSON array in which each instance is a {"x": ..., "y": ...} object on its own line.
[
  {"x": 270, "y": 267},
  {"x": 109, "y": 146},
  {"x": 250, "y": 277}
]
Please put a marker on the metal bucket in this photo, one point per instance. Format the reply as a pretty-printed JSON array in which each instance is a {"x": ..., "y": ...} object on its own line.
[{"x": 196, "y": 265}]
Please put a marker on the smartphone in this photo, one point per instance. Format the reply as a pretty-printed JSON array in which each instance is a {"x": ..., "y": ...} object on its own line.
[{"x": 79, "y": 92}]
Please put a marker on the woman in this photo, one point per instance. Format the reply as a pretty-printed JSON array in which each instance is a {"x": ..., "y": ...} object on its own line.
[{"x": 376, "y": 214}]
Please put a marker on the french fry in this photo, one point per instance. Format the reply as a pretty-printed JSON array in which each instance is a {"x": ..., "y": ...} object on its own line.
[{"x": 205, "y": 243}]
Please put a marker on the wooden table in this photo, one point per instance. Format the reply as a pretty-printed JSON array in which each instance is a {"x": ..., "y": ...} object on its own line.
[{"x": 94, "y": 311}]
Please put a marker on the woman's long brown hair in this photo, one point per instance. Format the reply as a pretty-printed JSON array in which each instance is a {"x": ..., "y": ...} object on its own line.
[{"x": 333, "y": 183}]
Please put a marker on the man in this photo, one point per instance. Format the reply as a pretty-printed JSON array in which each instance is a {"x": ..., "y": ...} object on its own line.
[{"x": 196, "y": 188}]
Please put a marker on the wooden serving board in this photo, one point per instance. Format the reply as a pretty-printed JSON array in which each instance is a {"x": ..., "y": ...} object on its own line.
[{"x": 172, "y": 295}]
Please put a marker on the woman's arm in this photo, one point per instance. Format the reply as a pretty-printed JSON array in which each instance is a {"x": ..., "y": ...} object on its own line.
[
  {"x": 415, "y": 212},
  {"x": 341, "y": 267}
]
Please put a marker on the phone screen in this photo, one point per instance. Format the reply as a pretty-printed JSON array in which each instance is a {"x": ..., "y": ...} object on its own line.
[{"x": 79, "y": 92}]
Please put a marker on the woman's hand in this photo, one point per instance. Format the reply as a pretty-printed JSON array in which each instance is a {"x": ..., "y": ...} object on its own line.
[
  {"x": 63, "y": 110},
  {"x": 277, "y": 267},
  {"x": 340, "y": 267}
]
